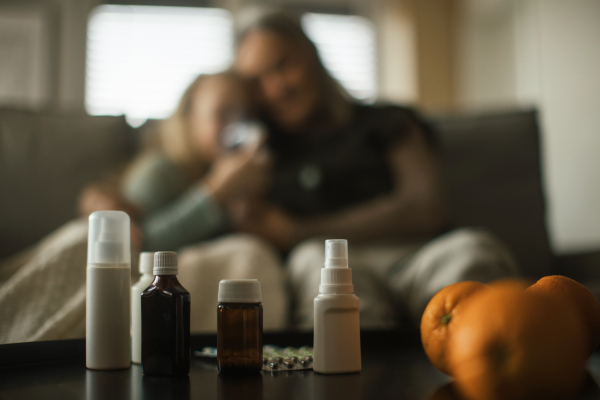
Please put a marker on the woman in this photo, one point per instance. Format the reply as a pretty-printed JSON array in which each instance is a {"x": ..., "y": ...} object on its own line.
[
  {"x": 365, "y": 173},
  {"x": 177, "y": 193}
]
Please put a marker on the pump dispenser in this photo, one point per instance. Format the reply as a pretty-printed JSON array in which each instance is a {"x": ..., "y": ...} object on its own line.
[
  {"x": 107, "y": 283},
  {"x": 337, "y": 325}
]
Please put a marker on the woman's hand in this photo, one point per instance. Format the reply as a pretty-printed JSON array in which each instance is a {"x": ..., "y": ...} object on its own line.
[
  {"x": 266, "y": 220},
  {"x": 244, "y": 173}
]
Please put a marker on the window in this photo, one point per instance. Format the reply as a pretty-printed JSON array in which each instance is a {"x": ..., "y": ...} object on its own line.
[
  {"x": 140, "y": 59},
  {"x": 347, "y": 47}
]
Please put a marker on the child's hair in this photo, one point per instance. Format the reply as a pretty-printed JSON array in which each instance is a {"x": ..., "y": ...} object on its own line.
[{"x": 174, "y": 136}]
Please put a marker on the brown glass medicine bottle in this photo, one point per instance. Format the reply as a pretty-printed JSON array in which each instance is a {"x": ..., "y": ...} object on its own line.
[
  {"x": 166, "y": 320},
  {"x": 239, "y": 326}
]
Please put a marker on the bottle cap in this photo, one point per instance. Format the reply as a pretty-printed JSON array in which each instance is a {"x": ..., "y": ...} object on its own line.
[
  {"x": 336, "y": 253},
  {"x": 336, "y": 277},
  {"x": 239, "y": 291},
  {"x": 165, "y": 263},
  {"x": 109, "y": 238},
  {"x": 146, "y": 262}
]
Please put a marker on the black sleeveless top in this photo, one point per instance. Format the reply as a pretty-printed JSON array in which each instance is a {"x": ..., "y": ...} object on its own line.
[{"x": 319, "y": 174}]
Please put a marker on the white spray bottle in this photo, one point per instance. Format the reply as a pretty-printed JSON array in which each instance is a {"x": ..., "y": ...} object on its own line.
[
  {"x": 107, "y": 297},
  {"x": 336, "y": 346}
]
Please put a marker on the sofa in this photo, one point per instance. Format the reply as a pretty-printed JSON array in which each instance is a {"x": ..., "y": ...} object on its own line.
[{"x": 490, "y": 163}]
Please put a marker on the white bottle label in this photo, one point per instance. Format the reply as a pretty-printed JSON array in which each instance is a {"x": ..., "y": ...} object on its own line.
[
  {"x": 337, "y": 334},
  {"x": 108, "y": 317}
]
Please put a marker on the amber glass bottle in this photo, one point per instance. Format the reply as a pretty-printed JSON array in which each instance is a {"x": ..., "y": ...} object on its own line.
[
  {"x": 239, "y": 326},
  {"x": 166, "y": 320}
]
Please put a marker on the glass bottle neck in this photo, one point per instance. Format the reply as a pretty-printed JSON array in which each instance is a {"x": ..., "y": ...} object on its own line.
[{"x": 163, "y": 281}]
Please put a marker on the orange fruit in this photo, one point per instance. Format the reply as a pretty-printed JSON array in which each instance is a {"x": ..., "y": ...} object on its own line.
[
  {"x": 508, "y": 343},
  {"x": 438, "y": 320},
  {"x": 566, "y": 289}
]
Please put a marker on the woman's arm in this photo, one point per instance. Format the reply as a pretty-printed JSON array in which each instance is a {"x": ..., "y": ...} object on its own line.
[
  {"x": 192, "y": 217},
  {"x": 175, "y": 216},
  {"x": 172, "y": 216},
  {"x": 415, "y": 208}
]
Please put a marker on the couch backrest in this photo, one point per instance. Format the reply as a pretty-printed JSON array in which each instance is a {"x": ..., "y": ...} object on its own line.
[
  {"x": 492, "y": 174},
  {"x": 491, "y": 167},
  {"x": 45, "y": 160}
]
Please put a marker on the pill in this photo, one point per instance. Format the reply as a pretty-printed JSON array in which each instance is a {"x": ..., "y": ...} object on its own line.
[{"x": 305, "y": 363}]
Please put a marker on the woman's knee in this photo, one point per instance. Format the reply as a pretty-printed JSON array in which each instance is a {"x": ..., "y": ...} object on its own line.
[
  {"x": 485, "y": 247},
  {"x": 475, "y": 252}
]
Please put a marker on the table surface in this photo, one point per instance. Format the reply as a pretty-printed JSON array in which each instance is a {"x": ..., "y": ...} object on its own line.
[{"x": 394, "y": 367}]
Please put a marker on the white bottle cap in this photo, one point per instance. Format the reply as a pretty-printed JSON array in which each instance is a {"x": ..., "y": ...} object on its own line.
[
  {"x": 165, "y": 263},
  {"x": 336, "y": 277},
  {"x": 146, "y": 262},
  {"x": 336, "y": 253},
  {"x": 109, "y": 238},
  {"x": 239, "y": 291}
]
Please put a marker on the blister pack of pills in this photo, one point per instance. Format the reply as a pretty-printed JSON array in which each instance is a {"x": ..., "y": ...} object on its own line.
[
  {"x": 275, "y": 358},
  {"x": 287, "y": 359}
]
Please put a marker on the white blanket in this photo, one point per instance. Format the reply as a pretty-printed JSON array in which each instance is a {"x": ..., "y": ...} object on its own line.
[{"x": 42, "y": 290}]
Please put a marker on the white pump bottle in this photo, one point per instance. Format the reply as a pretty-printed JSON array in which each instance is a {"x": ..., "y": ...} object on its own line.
[
  {"x": 337, "y": 325},
  {"x": 107, "y": 297}
]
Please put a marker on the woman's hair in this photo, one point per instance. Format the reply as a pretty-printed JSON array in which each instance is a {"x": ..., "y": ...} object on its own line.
[
  {"x": 174, "y": 133},
  {"x": 336, "y": 104}
]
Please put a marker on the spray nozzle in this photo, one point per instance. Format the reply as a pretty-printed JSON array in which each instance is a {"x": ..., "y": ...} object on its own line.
[
  {"x": 336, "y": 253},
  {"x": 108, "y": 238},
  {"x": 336, "y": 277}
]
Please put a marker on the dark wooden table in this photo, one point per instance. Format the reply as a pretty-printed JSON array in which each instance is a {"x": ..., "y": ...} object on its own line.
[{"x": 394, "y": 367}]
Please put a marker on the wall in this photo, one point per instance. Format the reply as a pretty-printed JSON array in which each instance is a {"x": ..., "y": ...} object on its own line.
[
  {"x": 396, "y": 29},
  {"x": 570, "y": 100},
  {"x": 417, "y": 52},
  {"x": 435, "y": 29},
  {"x": 545, "y": 53},
  {"x": 485, "y": 69}
]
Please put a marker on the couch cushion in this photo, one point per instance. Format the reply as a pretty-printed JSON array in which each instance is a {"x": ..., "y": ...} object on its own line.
[
  {"x": 45, "y": 160},
  {"x": 492, "y": 174}
]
